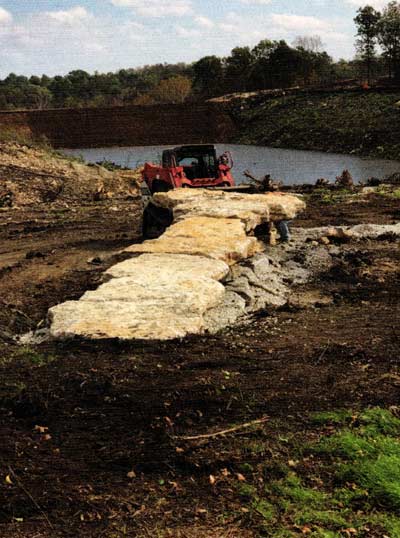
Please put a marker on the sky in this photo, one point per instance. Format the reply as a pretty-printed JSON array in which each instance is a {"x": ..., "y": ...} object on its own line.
[{"x": 57, "y": 36}]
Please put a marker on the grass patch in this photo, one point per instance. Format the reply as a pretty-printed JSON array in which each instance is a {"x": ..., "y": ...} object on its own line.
[
  {"x": 369, "y": 452},
  {"x": 396, "y": 193},
  {"x": 29, "y": 356},
  {"x": 330, "y": 197},
  {"x": 345, "y": 483}
]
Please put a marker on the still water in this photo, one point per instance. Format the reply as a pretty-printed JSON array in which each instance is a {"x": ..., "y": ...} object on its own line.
[{"x": 293, "y": 167}]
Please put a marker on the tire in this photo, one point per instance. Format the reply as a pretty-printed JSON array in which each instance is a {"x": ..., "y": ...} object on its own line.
[
  {"x": 155, "y": 221},
  {"x": 160, "y": 186}
]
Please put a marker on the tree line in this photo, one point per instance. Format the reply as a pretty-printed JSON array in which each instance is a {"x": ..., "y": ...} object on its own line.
[{"x": 270, "y": 64}]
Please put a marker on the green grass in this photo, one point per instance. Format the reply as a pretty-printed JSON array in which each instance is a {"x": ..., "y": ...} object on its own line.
[
  {"x": 390, "y": 194},
  {"x": 328, "y": 196},
  {"x": 353, "y": 484},
  {"x": 31, "y": 357}
]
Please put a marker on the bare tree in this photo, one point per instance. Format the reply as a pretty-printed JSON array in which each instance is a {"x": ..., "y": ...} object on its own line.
[{"x": 311, "y": 43}]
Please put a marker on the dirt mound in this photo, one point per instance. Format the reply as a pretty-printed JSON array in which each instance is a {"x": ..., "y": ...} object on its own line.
[{"x": 34, "y": 176}]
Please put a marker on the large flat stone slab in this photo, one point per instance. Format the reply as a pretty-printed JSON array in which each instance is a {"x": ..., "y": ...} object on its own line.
[
  {"x": 148, "y": 269},
  {"x": 219, "y": 238},
  {"x": 151, "y": 302},
  {"x": 251, "y": 209}
]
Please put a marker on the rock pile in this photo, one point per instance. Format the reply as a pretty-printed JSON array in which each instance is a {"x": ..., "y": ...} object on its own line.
[{"x": 172, "y": 286}]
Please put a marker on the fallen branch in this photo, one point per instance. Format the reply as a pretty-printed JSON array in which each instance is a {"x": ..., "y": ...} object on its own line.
[
  {"x": 224, "y": 432},
  {"x": 28, "y": 494}
]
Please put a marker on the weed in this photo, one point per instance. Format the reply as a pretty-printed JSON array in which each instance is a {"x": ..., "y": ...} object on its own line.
[
  {"x": 264, "y": 509},
  {"x": 332, "y": 417},
  {"x": 11, "y": 390},
  {"x": 380, "y": 476},
  {"x": 291, "y": 488},
  {"x": 247, "y": 490},
  {"x": 30, "y": 356}
]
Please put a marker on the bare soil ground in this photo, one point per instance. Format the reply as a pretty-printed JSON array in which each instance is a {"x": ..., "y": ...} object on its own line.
[{"x": 91, "y": 434}]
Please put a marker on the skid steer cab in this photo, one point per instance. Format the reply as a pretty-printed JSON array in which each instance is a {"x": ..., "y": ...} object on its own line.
[{"x": 189, "y": 166}]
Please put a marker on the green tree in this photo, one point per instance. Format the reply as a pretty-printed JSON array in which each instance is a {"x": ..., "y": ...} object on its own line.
[
  {"x": 38, "y": 97},
  {"x": 285, "y": 65},
  {"x": 208, "y": 76},
  {"x": 389, "y": 37},
  {"x": 238, "y": 69},
  {"x": 260, "y": 75},
  {"x": 61, "y": 89},
  {"x": 367, "y": 20},
  {"x": 172, "y": 90},
  {"x": 313, "y": 67}
]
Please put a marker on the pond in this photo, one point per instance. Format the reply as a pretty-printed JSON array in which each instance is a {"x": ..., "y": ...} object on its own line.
[{"x": 293, "y": 167}]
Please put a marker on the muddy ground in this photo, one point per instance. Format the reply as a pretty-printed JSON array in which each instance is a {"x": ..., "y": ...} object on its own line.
[{"x": 91, "y": 434}]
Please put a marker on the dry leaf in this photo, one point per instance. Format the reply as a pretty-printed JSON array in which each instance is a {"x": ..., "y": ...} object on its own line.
[
  {"x": 41, "y": 429},
  {"x": 212, "y": 479},
  {"x": 8, "y": 479},
  {"x": 241, "y": 478},
  {"x": 131, "y": 474},
  {"x": 168, "y": 421}
]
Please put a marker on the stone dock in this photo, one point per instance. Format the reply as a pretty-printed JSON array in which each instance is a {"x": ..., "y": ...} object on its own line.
[{"x": 178, "y": 284}]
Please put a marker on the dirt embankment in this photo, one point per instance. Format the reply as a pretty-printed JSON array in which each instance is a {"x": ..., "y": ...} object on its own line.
[
  {"x": 91, "y": 435},
  {"x": 357, "y": 122},
  {"x": 125, "y": 126}
]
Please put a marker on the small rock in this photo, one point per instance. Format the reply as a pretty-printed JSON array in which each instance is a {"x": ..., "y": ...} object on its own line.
[
  {"x": 34, "y": 254},
  {"x": 95, "y": 261}
]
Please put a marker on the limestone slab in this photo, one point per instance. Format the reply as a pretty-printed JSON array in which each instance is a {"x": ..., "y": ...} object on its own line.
[
  {"x": 220, "y": 238},
  {"x": 150, "y": 268},
  {"x": 124, "y": 309},
  {"x": 251, "y": 209}
]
